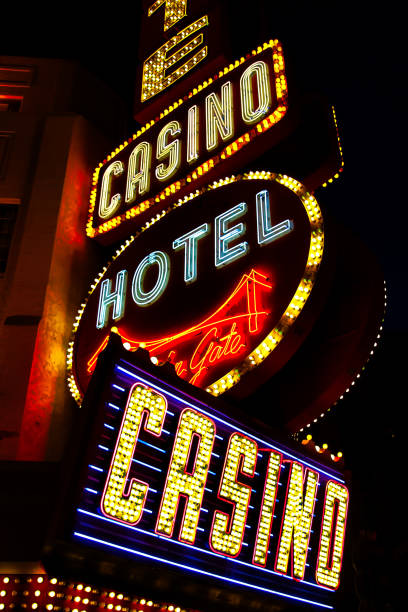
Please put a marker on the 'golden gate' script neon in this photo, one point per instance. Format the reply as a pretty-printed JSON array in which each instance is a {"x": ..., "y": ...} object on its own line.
[{"x": 220, "y": 336}]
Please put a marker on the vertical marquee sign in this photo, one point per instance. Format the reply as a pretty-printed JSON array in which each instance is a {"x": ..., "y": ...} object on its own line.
[
  {"x": 185, "y": 496},
  {"x": 219, "y": 262}
]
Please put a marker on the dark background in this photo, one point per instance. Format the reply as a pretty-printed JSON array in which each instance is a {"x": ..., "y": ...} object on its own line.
[{"x": 355, "y": 54}]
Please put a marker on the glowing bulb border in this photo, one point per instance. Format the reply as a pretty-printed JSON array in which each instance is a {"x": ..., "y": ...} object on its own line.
[{"x": 170, "y": 190}]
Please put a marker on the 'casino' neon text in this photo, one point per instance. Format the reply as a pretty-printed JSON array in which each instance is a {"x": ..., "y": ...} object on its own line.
[
  {"x": 256, "y": 100},
  {"x": 123, "y": 499}
]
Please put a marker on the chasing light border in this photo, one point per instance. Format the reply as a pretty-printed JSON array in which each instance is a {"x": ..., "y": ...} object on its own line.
[
  {"x": 292, "y": 311},
  {"x": 170, "y": 190},
  {"x": 360, "y": 372}
]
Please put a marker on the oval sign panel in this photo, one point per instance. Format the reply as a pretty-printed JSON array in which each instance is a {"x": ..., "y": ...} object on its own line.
[{"x": 215, "y": 287}]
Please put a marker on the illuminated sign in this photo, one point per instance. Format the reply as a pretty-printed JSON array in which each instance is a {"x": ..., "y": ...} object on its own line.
[
  {"x": 157, "y": 73},
  {"x": 170, "y": 481},
  {"x": 190, "y": 143},
  {"x": 214, "y": 288},
  {"x": 180, "y": 44}
]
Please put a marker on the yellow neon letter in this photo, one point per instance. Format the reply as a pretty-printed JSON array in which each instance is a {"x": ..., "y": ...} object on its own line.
[
  {"x": 174, "y": 11},
  {"x": 138, "y": 176},
  {"x": 268, "y": 505},
  {"x": 121, "y": 506},
  {"x": 227, "y": 532},
  {"x": 108, "y": 205},
  {"x": 297, "y": 521},
  {"x": 168, "y": 149},
  {"x": 155, "y": 78},
  {"x": 185, "y": 479},
  {"x": 326, "y": 575},
  {"x": 219, "y": 116},
  {"x": 261, "y": 72}
]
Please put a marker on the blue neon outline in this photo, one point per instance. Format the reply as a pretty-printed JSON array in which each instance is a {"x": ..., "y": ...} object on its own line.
[
  {"x": 146, "y": 298},
  {"x": 113, "y": 406},
  {"x": 161, "y": 450},
  {"x": 202, "y": 550},
  {"x": 94, "y": 467},
  {"x": 223, "y": 254},
  {"x": 199, "y": 571},
  {"x": 190, "y": 243},
  {"x": 238, "y": 429},
  {"x": 108, "y": 298},
  {"x": 266, "y": 232},
  {"x": 152, "y": 467}
]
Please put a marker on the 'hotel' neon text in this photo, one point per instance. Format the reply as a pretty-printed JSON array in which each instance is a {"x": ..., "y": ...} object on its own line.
[{"x": 228, "y": 246}]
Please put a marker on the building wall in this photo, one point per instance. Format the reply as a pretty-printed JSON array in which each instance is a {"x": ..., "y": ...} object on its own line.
[{"x": 53, "y": 131}]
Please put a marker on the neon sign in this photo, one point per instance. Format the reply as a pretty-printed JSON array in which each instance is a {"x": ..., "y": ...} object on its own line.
[
  {"x": 166, "y": 466},
  {"x": 252, "y": 245},
  {"x": 221, "y": 335},
  {"x": 193, "y": 138}
]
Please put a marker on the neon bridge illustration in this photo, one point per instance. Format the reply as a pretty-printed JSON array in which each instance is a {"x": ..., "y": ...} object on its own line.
[{"x": 221, "y": 336}]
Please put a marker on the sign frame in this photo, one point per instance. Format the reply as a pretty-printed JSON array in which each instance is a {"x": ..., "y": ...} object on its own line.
[{"x": 70, "y": 555}]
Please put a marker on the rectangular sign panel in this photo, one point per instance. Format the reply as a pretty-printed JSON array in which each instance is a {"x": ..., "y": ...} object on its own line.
[
  {"x": 190, "y": 143},
  {"x": 170, "y": 483}
]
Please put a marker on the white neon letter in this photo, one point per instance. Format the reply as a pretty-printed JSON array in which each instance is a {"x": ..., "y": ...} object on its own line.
[
  {"x": 328, "y": 570},
  {"x": 189, "y": 242},
  {"x": 108, "y": 205},
  {"x": 138, "y": 177},
  {"x": 219, "y": 116},
  {"x": 145, "y": 298},
  {"x": 108, "y": 298},
  {"x": 224, "y": 235},
  {"x": 121, "y": 506},
  {"x": 192, "y": 134},
  {"x": 266, "y": 231},
  {"x": 168, "y": 149},
  {"x": 261, "y": 72}
]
